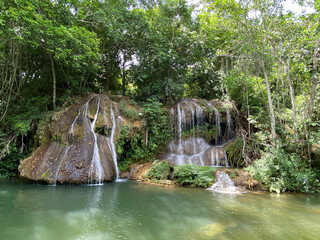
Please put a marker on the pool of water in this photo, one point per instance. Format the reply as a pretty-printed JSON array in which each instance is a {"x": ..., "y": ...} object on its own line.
[{"x": 131, "y": 210}]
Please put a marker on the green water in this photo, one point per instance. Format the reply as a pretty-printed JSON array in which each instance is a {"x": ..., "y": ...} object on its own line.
[{"x": 133, "y": 210}]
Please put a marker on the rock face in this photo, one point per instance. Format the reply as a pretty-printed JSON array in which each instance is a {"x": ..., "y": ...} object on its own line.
[
  {"x": 202, "y": 129},
  {"x": 81, "y": 147}
]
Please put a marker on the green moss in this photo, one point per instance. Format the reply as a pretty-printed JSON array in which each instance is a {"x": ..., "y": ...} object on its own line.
[{"x": 47, "y": 175}]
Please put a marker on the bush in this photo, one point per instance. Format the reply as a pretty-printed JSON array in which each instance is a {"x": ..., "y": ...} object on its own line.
[
  {"x": 159, "y": 171},
  {"x": 282, "y": 171},
  {"x": 144, "y": 144},
  {"x": 9, "y": 164},
  {"x": 129, "y": 112},
  {"x": 194, "y": 175}
]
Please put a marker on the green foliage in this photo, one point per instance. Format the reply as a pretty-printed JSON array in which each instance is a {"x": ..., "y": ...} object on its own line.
[
  {"x": 157, "y": 124},
  {"x": 282, "y": 171},
  {"x": 160, "y": 170},
  {"x": 234, "y": 151},
  {"x": 130, "y": 147},
  {"x": 9, "y": 164},
  {"x": 194, "y": 175},
  {"x": 233, "y": 173},
  {"x": 128, "y": 111},
  {"x": 135, "y": 145},
  {"x": 157, "y": 52}
]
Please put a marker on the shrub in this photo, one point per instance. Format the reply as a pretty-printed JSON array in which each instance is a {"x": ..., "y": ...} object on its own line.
[
  {"x": 9, "y": 164},
  {"x": 159, "y": 171},
  {"x": 194, "y": 175},
  {"x": 144, "y": 144},
  {"x": 129, "y": 112},
  {"x": 282, "y": 171}
]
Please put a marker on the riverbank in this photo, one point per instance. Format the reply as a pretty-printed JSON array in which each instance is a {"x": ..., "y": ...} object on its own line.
[{"x": 240, "y": 177}]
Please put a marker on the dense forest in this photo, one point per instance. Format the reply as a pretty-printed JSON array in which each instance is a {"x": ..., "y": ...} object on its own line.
[{"x": 253, "y": 53}]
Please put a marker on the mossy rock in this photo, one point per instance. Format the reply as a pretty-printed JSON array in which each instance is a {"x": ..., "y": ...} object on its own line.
[{"x": 47, "y": 175}]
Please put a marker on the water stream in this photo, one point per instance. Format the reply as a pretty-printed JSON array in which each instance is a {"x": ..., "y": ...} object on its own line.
[
  {"x": 54, "y": 182},
  {"x": 96, "y": 170},
  {"x": 112, "y": 140}
]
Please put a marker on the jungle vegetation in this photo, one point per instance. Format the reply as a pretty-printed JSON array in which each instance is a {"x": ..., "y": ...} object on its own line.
[{"x": 250, "y": 52}]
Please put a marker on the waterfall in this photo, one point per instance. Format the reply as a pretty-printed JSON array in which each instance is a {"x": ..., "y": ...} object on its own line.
[
  {"x": 217, "y": 159},
  {"x": 96, "y": 167},
  {"x": 113, "y": 148},
  {"x": 194, "y": 149},
  {"x": 199, "y": 115},
  {"x": 192, "y": 119},
  {"x": 84, "y": 109},
  {"x": 179, "y": 122},
  {"x": 180, "y": 150},
  {"x": 229, "y": 126},
  {"x": 212, "y": 158},
  {"x": 54, "y": 181},
  {"x": 72, "y": 125},
  {"x": 225, "y": 158},
  {"x": 201, "y": 158},
  {"x": 217, "y": 121},
  {"x": 224, "y": 184}
]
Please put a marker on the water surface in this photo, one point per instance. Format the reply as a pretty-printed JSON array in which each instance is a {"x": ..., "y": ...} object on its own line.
[{"x": 131, "y": 210}]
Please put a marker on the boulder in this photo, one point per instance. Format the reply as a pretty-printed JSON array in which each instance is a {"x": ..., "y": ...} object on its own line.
[{"x": 80, "y": 146}]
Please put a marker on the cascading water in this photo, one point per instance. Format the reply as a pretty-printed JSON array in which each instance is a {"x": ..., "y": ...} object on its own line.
[
  {"x": 180, "y": 150},
  {"x": 217, "y": 159},
  {"x": 72, "y": 126},
  {"x": 96, "y": 170},
  {"x": 190, "y": 117},
  {"x": 54, "y": 181},
  {"x": 111, "y": 142},
  {"x": 224, "y": 184},
  {"x": 84, "y": 109},
  {"x": 218, "y": 127},
  {"x": 226, "y": 158},
  {"x": 229, "y": 126}
]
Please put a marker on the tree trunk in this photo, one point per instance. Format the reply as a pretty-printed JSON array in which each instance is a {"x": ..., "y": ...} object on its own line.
[
  {"x": 124, "y": 83},
  {"x": 292, "y": 95},
  {"x": 54, "y": 83},
  {"x": 272, "y": 117}
]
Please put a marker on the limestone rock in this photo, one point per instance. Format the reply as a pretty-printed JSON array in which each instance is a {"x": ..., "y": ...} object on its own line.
[{"x": 80, "y": 147}]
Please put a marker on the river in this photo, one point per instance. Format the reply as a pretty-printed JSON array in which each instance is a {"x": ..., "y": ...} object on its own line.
[{"x": 131, "y": 210}]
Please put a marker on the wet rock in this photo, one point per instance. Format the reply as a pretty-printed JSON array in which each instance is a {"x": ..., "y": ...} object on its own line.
[
  {"x": 202, "y": 129},
  {"x": 138, "y": 171},
  {"x": 76, "y": 150}
]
